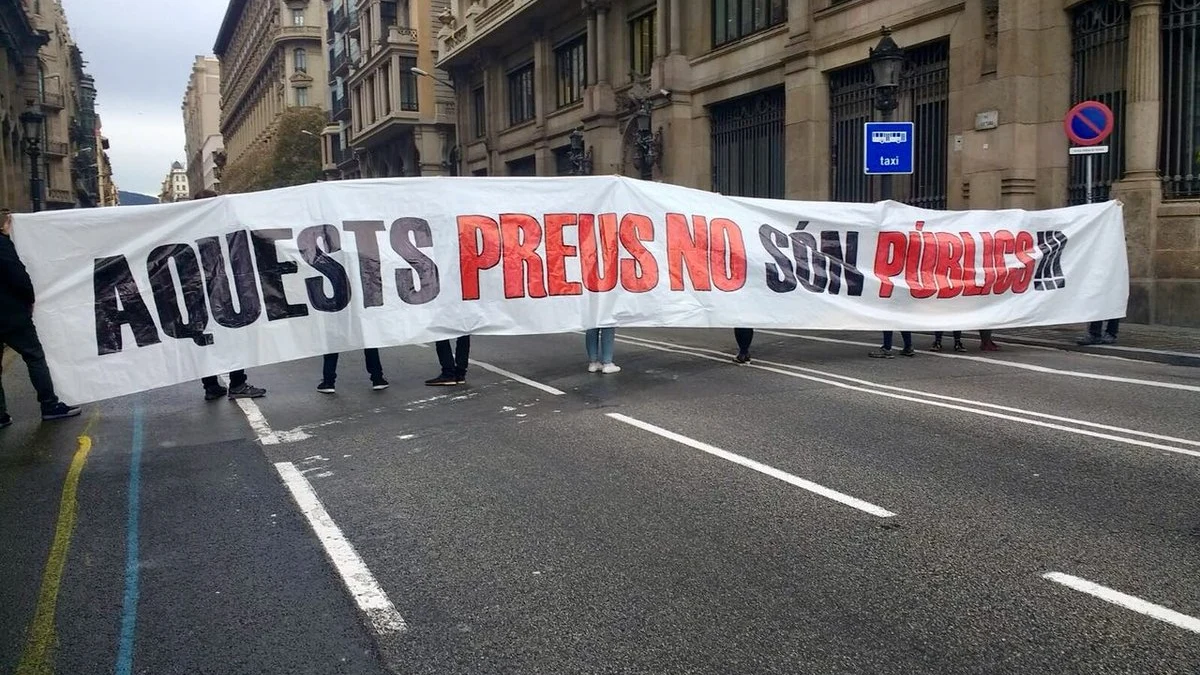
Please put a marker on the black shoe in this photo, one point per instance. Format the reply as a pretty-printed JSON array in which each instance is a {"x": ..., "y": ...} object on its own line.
[
  {"x": 60, "y": 411},
  {"x": 908, "y": 351},
  {"x": 326, "y": 387},
  {"x": 960, "y": 347},
  {"x": 742, "y": 357},
  {"x": 379, "y": 384},
  {"x": 1108, "y": 339},
  {"x": 935, "y": 347},
  {"x": 5, "y": 420},
  {"x": 442, "y": 381},
  {"x": 460, "y": 379},
  {"x": 246, "y": 391},
  {"x": 1089, "y": 339},
  {"x": 214, "y": 393},
  {"x": 882, "y": 353}
]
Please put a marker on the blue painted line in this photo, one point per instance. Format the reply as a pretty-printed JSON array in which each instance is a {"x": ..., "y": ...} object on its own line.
[{"x": 129, "y": 605}]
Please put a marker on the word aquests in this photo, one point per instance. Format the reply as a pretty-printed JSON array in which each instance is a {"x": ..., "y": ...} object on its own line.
[{"x": 234, "y": 284}]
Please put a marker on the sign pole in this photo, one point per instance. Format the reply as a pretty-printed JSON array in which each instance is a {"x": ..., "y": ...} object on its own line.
[
  {"x": 1088, "y": 124},
  {"x": 1089, "y": 178}
]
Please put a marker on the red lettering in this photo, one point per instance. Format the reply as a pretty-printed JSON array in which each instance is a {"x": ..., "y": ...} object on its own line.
[
  {"x": 520, "y": 235},
  {"x": 1004, "y": 245},
  {"x": 970, "y": 272},
  {"x": 639, "y": 272},
  {"x": 948, "y": 270},
  {"x": 727, "y": 255},
  {"x": 687, "y": 248},
  {"x": 919, "y": 263},
  {"x": 1022, "y": 278},
  {"x": 890, "y": 251},
  {"x": 589, "y": 255},
  {"x": 989, "y": 269},
  {"x": 478, "y": 249},
  {"x": 557, "y": 253}
]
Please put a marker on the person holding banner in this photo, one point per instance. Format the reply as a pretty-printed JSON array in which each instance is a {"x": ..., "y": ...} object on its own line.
[
  {"x": 374, "y": 369},
  {"x": 1095, "y": 337},
  {"x": 744, "y": 337},
  {"x": 18, "y": 333},
  {"x": 454, "y": 361},
  {"x": 599, "y": 344},
  {"x": 885, "y": 352}
]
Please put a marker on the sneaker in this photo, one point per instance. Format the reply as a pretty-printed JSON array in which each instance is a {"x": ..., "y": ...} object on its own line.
[
  {"x": 326, "y": 387},
  {"x": 882, "y": 353},
  {"x": 1108, "y": 339},
  {"x": 742, "y": 357},
  {"x": 960, "y": 347},
  {"x": 379, "y": 384},
  {"x": 460, "y": 379},
  {"x": 908, "y": 351},
  {"x": 5, "y": 420},
  {"x": 246, "y": 391},
  {"x": 594, "y": 367},
  {"x": 60, "y": 411},
  {"x": 214, "y": 393},
  {"x": 610, "y": 368},
  {"x": 442, "y": 381},
  {"x": 935, "y": 347},
  {"x": 989, "y": 346},
  {"x": 1089, "y": 339}
]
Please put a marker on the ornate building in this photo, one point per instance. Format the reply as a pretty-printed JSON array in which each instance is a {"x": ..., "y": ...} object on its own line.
[
  {"x": 271, "y": 58},
  {"x": 768, "y": 98},
  {"x": 175, "y": 186},
  {"x": 386, "y": 119},
  {"x": 202, "y": 123},
  {"x": 18, "y": 86}
]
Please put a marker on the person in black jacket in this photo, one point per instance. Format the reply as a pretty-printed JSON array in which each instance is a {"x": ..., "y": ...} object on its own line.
[{"x": 17, "y": 331}]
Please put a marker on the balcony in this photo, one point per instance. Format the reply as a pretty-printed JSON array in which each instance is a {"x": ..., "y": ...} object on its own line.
[
  {"x": 285, "y": 33},
  {"x": 50, "y": 100},
  {"x": 401, "y": 36},
  {"x": 56, "y": 149},
  {"x": 338, "y": 63},
  {"x": 340, "y": 109},
  {"x": 337, "y": 18},
  {"x": 59, "y": 196},
  {"x": 496, "y": 23}
]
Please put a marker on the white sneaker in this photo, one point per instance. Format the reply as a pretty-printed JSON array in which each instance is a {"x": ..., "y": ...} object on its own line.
[
  {"x": 610, "y": 368},
  {"x": 594, "y": 367}
]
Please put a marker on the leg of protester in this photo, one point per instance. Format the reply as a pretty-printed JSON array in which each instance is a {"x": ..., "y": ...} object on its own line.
[
  {"x": 744, "y": 337},
  {"x": 23, "y": 339}
]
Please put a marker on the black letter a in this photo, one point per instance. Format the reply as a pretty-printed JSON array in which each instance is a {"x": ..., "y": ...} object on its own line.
[{"x": 118, "y": 302}]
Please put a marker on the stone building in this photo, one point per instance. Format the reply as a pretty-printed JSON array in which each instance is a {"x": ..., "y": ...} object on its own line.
[
  {"x": 768, "y": 98},
  {"x": 385, "y": 119},
  {"x": 175, "y": 185},
  {"x": 271, "y": 58},
  {"x": 18, "y": 86},
  {"x": 202, "y": 123}
]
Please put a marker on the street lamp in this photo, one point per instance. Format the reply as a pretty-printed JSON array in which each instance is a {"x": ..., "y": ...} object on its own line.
[
  {"x": 33, "y": 120},
  {"x": 455, "y": 156},
  {"x": 887, "y": 60},
  {"x": 581, "y": 160},
  {"x": 649, "y": 145}
]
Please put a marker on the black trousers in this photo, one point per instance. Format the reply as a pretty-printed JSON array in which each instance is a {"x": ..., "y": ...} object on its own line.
[
  {"x": 236, "y": 379},
  {"x": 23, "y": 339},
  {"x": 371, "y": 356},
  {"x": 937, "y": 336},
  {"x": 904, "y": 335},
  {"x": 454, "y": 360},
  {"x": 1096, "y": 326},
  {"x": 744, "y": 337}
]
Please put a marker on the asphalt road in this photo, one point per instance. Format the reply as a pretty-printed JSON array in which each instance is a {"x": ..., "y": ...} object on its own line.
[{"x": 1031, "y": 511}]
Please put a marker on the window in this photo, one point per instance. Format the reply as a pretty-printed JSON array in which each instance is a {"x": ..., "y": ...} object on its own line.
[
  {"x": 301, "y": 59},
  {"x": 1179, "y": 146},
  {"x": 570, "y": 71},
  {"x": 408, "y": 85},
  {"x": 301, "y": 96},
  {"x": 37, "y": 6},
  {"x": 735, "y": 19},
  {"x": 748, "y": 145},
  {"x": 1099, "y": 48},
  {"x": 479, "y": 111},
  {"x": 525, "y": 166},
  {"x": 520, "y": 95},
  {"x": 641, "y": 42},
  {"x": 297, "y": 17}
]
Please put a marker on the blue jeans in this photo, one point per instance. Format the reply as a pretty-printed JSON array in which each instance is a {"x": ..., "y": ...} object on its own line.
[{"x": 599, "y": 342}]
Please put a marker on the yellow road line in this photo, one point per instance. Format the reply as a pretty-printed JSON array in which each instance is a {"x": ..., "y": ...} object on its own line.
[{"x": 38, "y": 655}]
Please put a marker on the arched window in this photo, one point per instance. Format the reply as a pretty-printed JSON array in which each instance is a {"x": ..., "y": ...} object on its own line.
[
  {"x": 301, "y": 60},
  {"x": 41, "y": 81}
]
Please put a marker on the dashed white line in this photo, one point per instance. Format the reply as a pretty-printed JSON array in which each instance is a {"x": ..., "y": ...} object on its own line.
[
  {"x": 771, "y": 471},
  {"x": 1125, "y": 600},
  {"x": 380, "y": 613},
  {"x": 791, "y": 371}
]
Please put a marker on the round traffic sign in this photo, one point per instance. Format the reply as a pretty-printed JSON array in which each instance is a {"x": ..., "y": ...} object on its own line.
[{"x": 1088, "y": 123}]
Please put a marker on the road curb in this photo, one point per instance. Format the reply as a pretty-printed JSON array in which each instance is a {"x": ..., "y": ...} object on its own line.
[{"x": 1133, "y": 353}]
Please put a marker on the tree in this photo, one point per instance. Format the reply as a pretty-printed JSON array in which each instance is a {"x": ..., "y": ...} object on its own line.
[{"x": 290, "y": 156}]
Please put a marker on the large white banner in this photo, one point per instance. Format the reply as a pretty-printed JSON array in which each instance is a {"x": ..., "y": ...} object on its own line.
[{"x": 133, "y": 298}]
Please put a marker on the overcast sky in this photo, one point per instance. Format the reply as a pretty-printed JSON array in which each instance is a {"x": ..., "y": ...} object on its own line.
[{"x": 141, "y": 54}]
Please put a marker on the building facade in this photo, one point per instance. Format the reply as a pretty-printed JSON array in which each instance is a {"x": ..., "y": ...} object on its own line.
[
  {"x": 202, "y": 123},
  {"x": 768, "y": 98},
  {"x": 175, "y": 187},
  {"x": 272, "y": 58},
  {"x": 18, "y": 87},
  {"x": 385, "y": 119}
]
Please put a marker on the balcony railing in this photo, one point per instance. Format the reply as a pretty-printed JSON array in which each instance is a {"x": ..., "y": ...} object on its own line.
[
  {"x": 298, "y": 32},
  {"x": 339, "y": 108},
  {"x": 338, "y": 61},
  {"x": 57, "y": 148},
  {"x": 59, "y": 196},
  {"x": 339, "y": 17}
]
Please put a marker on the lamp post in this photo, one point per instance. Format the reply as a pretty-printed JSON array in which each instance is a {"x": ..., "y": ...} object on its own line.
[
  {"x": 33, "y": 120},
  {"x": 887, "y": 60},
  {"x": 649, "y": 144},
  {"x": 581, "y": 160},
  {"x": 455, "y": 156}
]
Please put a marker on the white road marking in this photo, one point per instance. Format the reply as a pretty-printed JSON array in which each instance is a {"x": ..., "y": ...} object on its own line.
[
  {"x": 1125, "y": 600},
  {"x": 917, "y": 392},
  {"x": 380, "y": 612},
  {"x": 523, "y": 380},
  {"x": 791, "y": 372},
  {"x": 1135, "y": 350},
  {"x": 771, "y": 471},
  {"x": 1008, "y": 364},
  {"x": 258, "y": 422}
]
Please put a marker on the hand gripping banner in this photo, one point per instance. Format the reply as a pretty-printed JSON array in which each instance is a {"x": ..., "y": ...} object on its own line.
[{"x": 133, "y": 298}]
